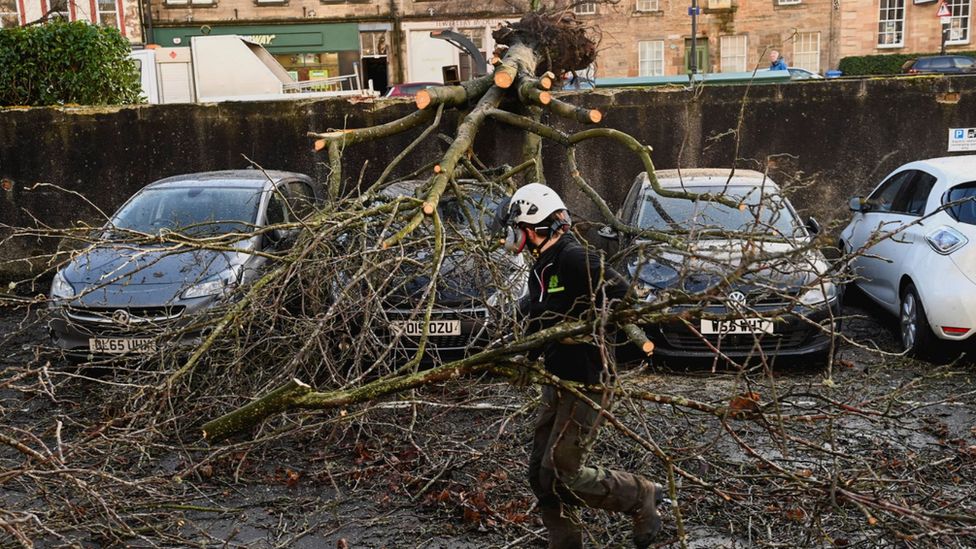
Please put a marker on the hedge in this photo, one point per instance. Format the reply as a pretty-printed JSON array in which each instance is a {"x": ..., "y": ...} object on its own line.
[
  {"x": 884, "y": 64},
  {"x": 66, "y": 62}
]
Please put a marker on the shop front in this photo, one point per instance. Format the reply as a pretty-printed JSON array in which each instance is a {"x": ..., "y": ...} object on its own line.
[
  {"x": 427, "y": 56},
  {"x": 307, "y": 51}
]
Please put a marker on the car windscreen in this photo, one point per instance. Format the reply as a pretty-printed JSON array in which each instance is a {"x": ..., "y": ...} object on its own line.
[
  {"x": 477, "y": 207},
  {"x": 191, "y": 210},
  {"x": 767, "y": 214},
  {"x": 962, "y": 198}
]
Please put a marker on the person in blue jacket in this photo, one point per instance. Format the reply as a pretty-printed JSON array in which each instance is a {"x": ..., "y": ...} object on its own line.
[{"x": 776, "y": 61}]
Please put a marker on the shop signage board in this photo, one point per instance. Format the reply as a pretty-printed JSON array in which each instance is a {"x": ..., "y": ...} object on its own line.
[
  {"x": 962, "y": 139},
  {"x": 278, "y": 39}
]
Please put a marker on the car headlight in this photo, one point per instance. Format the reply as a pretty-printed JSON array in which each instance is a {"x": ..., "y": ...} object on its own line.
[
  {"x": 216, "y": 286},
  {"x": 823, "y": 293},
  {"x": 946, "y": 240},
  {"x": 60, "y": 288}
]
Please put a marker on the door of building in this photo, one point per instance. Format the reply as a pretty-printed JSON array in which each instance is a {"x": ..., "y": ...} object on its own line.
[{"x": 701, "y": 52}]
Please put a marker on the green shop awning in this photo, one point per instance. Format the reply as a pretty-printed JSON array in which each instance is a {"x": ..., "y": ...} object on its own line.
[{"x": 305, "y": 38}]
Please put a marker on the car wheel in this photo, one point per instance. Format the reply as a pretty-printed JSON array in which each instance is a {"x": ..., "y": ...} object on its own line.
[{"x": 916, "y": 336}]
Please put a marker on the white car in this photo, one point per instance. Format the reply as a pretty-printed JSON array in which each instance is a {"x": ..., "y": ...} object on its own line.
[{"x": 911, "y": 238}]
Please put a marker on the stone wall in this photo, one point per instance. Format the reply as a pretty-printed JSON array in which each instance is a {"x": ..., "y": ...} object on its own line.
[{"x": 826, "y": 141}]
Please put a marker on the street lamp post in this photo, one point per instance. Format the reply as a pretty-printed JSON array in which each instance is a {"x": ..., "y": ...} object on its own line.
[{"x": 693, "y": 12}]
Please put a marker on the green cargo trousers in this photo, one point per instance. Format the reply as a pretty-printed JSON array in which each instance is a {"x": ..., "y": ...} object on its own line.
[{"x": 564, "y": 432}]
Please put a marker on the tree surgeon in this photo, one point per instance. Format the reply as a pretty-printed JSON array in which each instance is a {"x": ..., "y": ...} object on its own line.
[{"x": 566, "y": 280}]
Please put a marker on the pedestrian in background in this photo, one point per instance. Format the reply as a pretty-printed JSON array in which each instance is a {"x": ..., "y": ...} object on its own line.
[{"x": 776, "y": 61}]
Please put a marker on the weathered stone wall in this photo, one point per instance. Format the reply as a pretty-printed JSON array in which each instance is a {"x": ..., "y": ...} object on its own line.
[{"x": 836, "y": 137}]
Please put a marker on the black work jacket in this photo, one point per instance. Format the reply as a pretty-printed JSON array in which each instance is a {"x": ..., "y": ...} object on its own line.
[{"x": 568, "y": 282}]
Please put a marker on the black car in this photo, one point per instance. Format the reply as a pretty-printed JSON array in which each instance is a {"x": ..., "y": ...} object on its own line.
[
  {"x": 940, "y": 64},
  {"x": 473, "y": 297},
  {"x": 743, "y": 288},
  {"x": 127, "y": 294}
]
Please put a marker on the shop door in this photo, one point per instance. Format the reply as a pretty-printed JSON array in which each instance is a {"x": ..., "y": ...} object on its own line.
[
  {"x": 427, "y": 56},
  {"x": 374, "y": 68}
]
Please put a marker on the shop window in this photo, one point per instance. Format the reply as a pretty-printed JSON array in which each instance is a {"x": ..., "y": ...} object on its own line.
[
  {"x": 467, "y": 64},
  {"x": 648, "y": 5},
  {"x": 108, "y": 13},
  {"x": 58, "y": 10},
  {"x": 584, "y": 8},
  {"x": 959, "y": 24},
  {"x": 891, "y": 23},
  {"x": 806, "y": 51},
  {"x": 734, "y": 52},
  {"x": 650, "y": 57},
  {"x": 310, "y": 66},
  {"x": 373, "y": 43},
  {"x": 9, "y": 16}
]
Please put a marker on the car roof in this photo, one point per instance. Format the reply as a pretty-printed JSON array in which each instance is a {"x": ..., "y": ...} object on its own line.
[
  {"x": 710, "y": 177},
  {"x": 236, "y": 178},
  {"x": 954, "y": 168}
]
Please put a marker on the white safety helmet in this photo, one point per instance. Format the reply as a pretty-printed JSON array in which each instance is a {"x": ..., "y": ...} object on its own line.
[{"x": 533, "y": 203}]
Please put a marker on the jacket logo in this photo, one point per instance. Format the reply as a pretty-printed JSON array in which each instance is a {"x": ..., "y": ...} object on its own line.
[{"x": 554, "y": 286}]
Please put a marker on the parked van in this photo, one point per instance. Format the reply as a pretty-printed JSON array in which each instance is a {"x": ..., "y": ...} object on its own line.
[{"x": 228, "y": 68}]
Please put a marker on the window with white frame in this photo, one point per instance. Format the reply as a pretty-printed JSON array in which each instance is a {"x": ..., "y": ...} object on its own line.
[
  {"x": 806, "y": 51},
  {"x": 185, "y": 2},
  {"x": 891, "y": 23},
  {"x": 373, "y": 43},
  {"x": 650, "y": 57},
  {"x": 108, "y": 13},
  {"x": 9, "y": 16},
  {"x": 648, "y": 5},
  {"x": 959, "y": 24},
  {"x": 734, "y": 53},
  {"x": 584, "y": 8},
  {"x": 58, "y": 9},
  {"x": 787, "y": 2}
]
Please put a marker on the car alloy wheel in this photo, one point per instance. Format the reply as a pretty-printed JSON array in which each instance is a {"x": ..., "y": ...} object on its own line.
[
  {"x": 916, "y": 337},
  {"x": 909, "y": 321}
]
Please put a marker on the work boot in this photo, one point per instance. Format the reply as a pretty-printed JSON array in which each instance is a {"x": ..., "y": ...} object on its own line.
[
  {"x": 564, "y": 531},
  {"x": 647, "y": 521}
]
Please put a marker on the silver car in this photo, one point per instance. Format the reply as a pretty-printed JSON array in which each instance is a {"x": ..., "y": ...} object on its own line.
[{"x": 127, "y": 293}]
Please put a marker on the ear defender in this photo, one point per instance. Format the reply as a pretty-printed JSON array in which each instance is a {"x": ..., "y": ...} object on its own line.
[{"x": 515, "y": 239}]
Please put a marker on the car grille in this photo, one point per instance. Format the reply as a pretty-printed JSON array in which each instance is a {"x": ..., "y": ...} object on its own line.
[
  {"x": 472, "y": 326},
  {"x": 123, "y": 316},
  {"x": 680, "y": 337}
]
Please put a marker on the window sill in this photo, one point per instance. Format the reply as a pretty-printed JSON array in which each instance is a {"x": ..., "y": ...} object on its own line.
[
  {"x": 260, "y": 3},
  {"x": 957, "y": 43},
  {"x": 191, "y": 5},
  {"x": 648, "y": 13},
  {"x": 890, "y": 46}
]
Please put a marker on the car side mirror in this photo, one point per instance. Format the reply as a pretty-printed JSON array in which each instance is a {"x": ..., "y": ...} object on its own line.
[
  {"x": 608, "y": 232},
  {"x": 813, "y": 226},
  {"x": 858, "y": 204},
  {"x": 281, "y": 238}
]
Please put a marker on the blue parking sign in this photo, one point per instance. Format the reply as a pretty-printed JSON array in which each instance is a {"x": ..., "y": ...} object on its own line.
[{"x": 960, "y": 134}]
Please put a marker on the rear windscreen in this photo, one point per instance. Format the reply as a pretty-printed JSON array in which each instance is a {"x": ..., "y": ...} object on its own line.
[{"x": 961, "y": 202}]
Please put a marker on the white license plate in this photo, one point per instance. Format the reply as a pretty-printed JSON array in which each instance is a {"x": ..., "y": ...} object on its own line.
[
  {"x": 737, "y": 326},
  {"x": 415, "y": 328},
  {"x": 120, "y": 345}
]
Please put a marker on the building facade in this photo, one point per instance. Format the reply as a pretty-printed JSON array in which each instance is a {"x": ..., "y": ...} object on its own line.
[
  {"x": 905, "y": 26},
  {"x": 121, "y": 14},
  {"x": 389, "y": 41}
]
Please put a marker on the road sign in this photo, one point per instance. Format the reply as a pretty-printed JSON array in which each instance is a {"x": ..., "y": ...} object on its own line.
[
  {"x": 962, "y": 139},
  {"x": 943, "y": 10}
]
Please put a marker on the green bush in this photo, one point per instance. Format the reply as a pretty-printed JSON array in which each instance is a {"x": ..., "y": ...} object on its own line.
[
  {"x": 60, "y": 62},
  {"x": 884, "y": 64}
]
